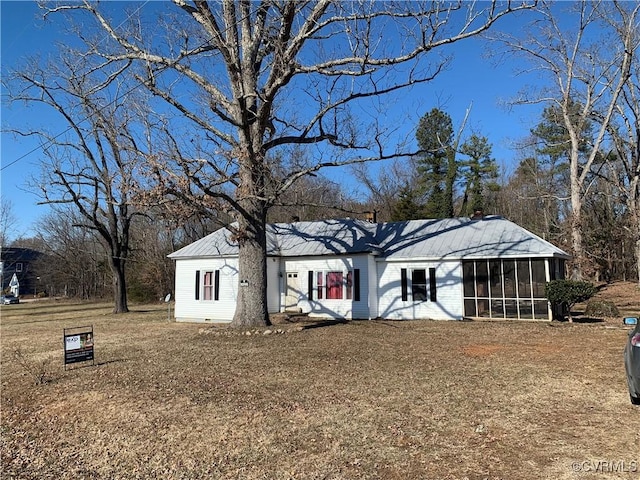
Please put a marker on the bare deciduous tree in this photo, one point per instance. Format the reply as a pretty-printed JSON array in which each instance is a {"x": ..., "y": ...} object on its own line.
[
  {"x": 588, "y": 63},
  {"x": 382, "y": 187},
  {"x": 75, "y": 263},
  {"x": 8, "y": 221},
  {"x": 624, "y": 166},
  {"x": 256, "y": 79},
  {"x": 94, "y": 165}
]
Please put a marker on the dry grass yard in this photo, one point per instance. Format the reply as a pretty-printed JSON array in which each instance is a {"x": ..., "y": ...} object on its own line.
[{"x": 387, "y": 400}]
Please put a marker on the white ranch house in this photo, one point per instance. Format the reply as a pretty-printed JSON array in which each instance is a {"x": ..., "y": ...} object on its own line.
[{"x": 423, "y": 269}]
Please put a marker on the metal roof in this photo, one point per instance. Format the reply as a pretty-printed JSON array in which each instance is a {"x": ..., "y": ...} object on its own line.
[
  {"x": 462, "y": 238},
  {"x": 451, "y": 238}
]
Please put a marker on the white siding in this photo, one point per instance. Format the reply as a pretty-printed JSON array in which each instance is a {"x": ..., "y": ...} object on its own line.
[
  {"x": 325, "y": 308},
  {"x": 274, "y": 285},
  {"x": 448, "y": 305},
  {"x": 188, "y": 309},
  {"x": 372, "y": 279},
  {"x": 380, "y": 289}
]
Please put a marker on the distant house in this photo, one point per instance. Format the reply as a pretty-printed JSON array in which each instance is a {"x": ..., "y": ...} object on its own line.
[
  {"x": 423, "y": 269},
  {"x": 20, "y": 262}
]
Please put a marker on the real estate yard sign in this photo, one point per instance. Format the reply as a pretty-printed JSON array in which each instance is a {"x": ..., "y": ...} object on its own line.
[{"x": 78, "y": 345}]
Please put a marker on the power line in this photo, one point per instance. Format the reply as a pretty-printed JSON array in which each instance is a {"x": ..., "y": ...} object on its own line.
[{"x": 50, "y": 141}]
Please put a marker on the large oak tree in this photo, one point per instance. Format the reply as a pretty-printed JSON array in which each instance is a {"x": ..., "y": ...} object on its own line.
[{"x": 91, "y": 156}]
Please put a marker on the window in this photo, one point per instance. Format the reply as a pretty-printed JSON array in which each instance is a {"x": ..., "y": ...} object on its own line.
[
  {"x": 210, "y": 285},
  {"x": 207, "y": 286},
  {"x": 506, "y": 288},
  {"x": 335, "y": 285},
  {"x": 495, "y": 278},
  {"x": 524, "y": 279},
  {"x": 320, "y": 284},
  {"x": 19, "y": 267},
  {"x": 538, "y": 278},
  {"x": 468, "y": 276},
  {"x": 509, "y": 274},
  {"x": 419, "y": 285}
]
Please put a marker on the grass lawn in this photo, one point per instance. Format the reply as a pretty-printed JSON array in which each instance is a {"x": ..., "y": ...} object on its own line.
[{"x": 379, "y": 399}]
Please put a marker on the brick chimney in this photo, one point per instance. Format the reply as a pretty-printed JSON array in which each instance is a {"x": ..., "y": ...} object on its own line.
[
  {"x": 478, "y": 214},
  {"x": 371, "y": 216}
]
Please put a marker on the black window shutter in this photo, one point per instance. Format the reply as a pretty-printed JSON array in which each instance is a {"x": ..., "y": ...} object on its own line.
[
  {"x": 197, "y": 284},
  {"x": 356, "y": 285},
  {"x": 432, "y": 284},
  {"x": 310, "y": 285},
  {"x": 403, "y": 280},
  {"x": 216, "y": 286}
]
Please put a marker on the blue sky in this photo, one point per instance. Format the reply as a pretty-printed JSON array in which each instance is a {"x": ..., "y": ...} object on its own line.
[{"x": 472, "y": 79}]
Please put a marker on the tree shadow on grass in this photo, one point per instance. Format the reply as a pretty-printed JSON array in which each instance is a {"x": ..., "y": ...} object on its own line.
[
  {"x": 80, "y": 365},
  {"x": 580, "y": 319},
  {"x": 326, "y": 322}
]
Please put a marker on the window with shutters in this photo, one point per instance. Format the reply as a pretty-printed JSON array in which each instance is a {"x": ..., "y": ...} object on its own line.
[
  {"x": 208, "y": 285},
  {"x": 418, "y": 284},
  {"x": 335, "y": 285}
]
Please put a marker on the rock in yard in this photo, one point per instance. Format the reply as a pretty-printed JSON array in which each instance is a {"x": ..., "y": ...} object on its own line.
[{"x": 481, "y": 429}]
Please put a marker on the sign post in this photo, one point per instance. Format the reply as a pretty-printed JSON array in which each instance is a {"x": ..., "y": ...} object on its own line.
[
  {"x": 78, "y": 345},
  {"x": 167, "y": 299}
]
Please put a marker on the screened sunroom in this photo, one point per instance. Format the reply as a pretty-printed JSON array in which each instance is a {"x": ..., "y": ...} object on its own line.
[{"x": 513, "y": 288}]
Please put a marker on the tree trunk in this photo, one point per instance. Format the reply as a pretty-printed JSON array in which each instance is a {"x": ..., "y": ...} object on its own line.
[
  {"x": 577, "y": 245},
  {"x": 251, "y": 306},
  {"x": 576, "y": 215},
  {"x": 638, "y": 259},
  {"x": 634, "y": 206},
  {"x": 119, "y": 286},
  {"x": 452, "y": 174}
]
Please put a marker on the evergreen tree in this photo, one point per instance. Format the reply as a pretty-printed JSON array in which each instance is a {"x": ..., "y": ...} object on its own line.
[
  {"x": 442, "y": 171},
  {"x": 480, "y": 173},
  {"x": 437, "y": 164},
  {"x": 408, "y": 206}
]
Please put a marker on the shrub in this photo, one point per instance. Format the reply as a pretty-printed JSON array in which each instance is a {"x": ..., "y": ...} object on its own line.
[
  {"x": 569, "y": 292},
  {"x": 601, "y": 308},
  {"x": 38, "y": 370}
]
